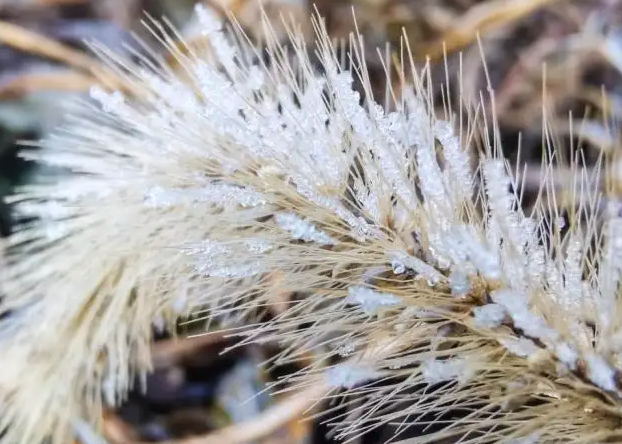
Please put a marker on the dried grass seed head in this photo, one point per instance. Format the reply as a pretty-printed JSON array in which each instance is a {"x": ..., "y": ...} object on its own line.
[{"x": 427, "y": 273}]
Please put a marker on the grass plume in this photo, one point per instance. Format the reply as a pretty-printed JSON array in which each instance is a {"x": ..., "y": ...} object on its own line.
[{"x": 434, "y": 299}]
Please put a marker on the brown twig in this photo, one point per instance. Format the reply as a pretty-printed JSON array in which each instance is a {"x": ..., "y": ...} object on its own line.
[
  {"x": 268, "y": 422},
  {"x": 28, "y": 41},
  {"x": 226, "y": 7},
  {"x": 280, "y": 297},
  {"x": 170, "y": 351},
  {"x": 481, "y": 18},
  {"x": 60, "y": 81},
  {"x": 116, "y": 430}
]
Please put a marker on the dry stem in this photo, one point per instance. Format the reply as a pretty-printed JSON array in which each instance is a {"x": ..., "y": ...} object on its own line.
[
  {"x": 170, "y": 351},
  {"x": 482, "y": 18},
  {"x": 70, "y": 81},
  {"x": 31, "y": 42},
  {"x": 262, "y": 426}
]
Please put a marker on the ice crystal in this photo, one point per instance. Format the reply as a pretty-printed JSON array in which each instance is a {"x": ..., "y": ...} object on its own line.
[
  {"x": 600, "y": 372},
  {"x": 402, "y": 261},
  {"x": 219, "y": 259},
  {"x": 435, "y": 371},
  {"x": 350, "y": 375},
  {"x": 520, "y": 346},
  {"x": 302, "y": 229},
  {"x": 370, "y": 300},
  {"x": 490, "y": 315},
  {"x": 218, "y": 194},
  {"x": 459, "y": 282}
]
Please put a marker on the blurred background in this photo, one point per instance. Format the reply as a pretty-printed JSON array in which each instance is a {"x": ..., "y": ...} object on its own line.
[{"x": 559, "y": 59}]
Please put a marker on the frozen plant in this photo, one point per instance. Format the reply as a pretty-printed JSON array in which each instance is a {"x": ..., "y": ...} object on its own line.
[{"x": 412, "y": 257}]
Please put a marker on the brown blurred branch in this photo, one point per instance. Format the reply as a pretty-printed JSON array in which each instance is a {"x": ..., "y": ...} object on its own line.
[
  {"x": 25, "y": 40},
  {"x": 269, "y": 421},
  {"x": 272, "y": 419},
  {"x": 481, "y": 18},
  {"x": 116, "y": 430},
  {"x": 170, "y": 351},
  {"x": 61, "y": 81}
]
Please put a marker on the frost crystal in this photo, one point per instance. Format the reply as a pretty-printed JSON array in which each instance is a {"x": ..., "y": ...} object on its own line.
[
  {"x": 572, "y": 276},
  {"x": 302, "y": 229},
  {"x": 346, "y": 349},
  {"x": 435, "y": 371},
  {"x": 348, "y": 375},
  {"x": 217, "y": 194},
  {"x": 488, "y": 316},
  {"x": 110, "y": 102},
  {"x": 402, "y": 261},
  {"x": 515, "y": 304},
  {"x": 370, "y": 300},
  {"x": 464, "y": 240},
  {"x": 609, "y": 275},
  {"x": 230, "y": 260},
  {"x": 567, "y": 355},
  {"x": 459, "y": 282},
  {"x": 522, "y": 347},
  {"x": 515, "y": 230},
  {"x": 600, "y": 372},
  {"x": 109, "y": 391},
  {"x": 457, "y": 159}
]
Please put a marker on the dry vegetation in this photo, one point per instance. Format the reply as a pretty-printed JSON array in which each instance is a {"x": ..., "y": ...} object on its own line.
[{"x": 556, "y": 58}]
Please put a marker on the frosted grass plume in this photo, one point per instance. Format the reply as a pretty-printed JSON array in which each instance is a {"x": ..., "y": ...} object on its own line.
[{"x": 424, "y": 270}]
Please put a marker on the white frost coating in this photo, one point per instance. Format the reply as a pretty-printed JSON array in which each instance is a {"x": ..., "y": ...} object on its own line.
[
  {"x": 515, "y": 304},
  {"x": 360, "y": 229},
  {"x": 109, "y": 391},
  {"x": 257, "y": 246},
  {"x": 210, "y": 22},
  {"x": 110, "y": 102},
  {"x": 466, "y": 241},
  {"x": 401, "y": 261},
  {"x": 302, "y": 229},
  {"x": 573, "y": 271},
  {"x": 348, "y": 375},
  {"x": 370, "y": 300},
  {"x": 460, "y": 284},
  {"x": 430, "y": 175},
  {"x": 435, "y": 371},
  {"x": 211, "y": 26},
  {"x": 567, "y": 355},
  {"x": 49, "y": 211},
  {"x": 600, "y": 372},
  {"x": 346, "y": 349},
  {"x": 610, "y": 271},
  {"x": 501, "y": 202},
  {"x": 457, "y": 159},
  {"x": 217, "y": 194},
  {"x": 522, "y": 347},
  {"x": 489, "y": 316},
  {"x": 217, "y": 259}
]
